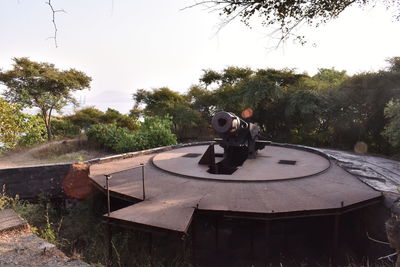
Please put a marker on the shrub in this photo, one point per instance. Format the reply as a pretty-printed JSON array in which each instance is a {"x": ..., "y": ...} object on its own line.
[
  {"x": 153, "y": 132},
  {"x": 34, "y": 131},
  {"x": 64, "y": 128},
  {"x": 18, "y": 128},
  {"x": 106, "y": 135}
]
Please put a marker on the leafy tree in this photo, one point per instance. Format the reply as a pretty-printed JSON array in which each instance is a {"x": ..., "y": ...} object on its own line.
[
  {"x": 329, "y": 78},
  {"x": 329, "y": 109},
  {"x": 34, "y": 131},
  {"x": 394, "y": 64},
  {"x": 287, "y": 15},
  {"x": 136, "y": 112},
  {"x": 229, "y": 75},
  {"x": 163, "y": 102},
  {"x": 17, "y": 128},
  {"x": 202, "y": 100},
  {"x": 304, "y": 115},
  {"x": 41, "y": 85},
  {"x": 11, "y": 122},
  {"x": 232, "y": 75},
  {"x": 159, "y": 101},
  {"x": 121, "y": 120},
  {"x": 258, "y": 91},
  {"x": 359, "y": 108},
  {"x": 85, "y": 117},
  {"x": 63, "y": 127},
  {"x": 392, "y": 129},
  {"x": 209, "y": 77}
]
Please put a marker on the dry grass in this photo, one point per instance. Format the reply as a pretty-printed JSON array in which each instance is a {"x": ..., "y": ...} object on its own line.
[
  {"x": 66, "y": 151},
  {"x": 56, "y": 149}
]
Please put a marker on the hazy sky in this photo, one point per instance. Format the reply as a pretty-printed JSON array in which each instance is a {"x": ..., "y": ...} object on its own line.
[{"x": 125, "y": 45}]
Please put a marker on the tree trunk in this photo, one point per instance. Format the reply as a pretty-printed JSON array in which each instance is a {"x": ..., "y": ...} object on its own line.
[
  {"x": 46, "y": 120},
  {"x": 49, "y": 134}
]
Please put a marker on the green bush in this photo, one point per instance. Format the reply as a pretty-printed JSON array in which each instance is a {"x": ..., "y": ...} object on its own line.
[
  {"x": 34, "y": 131},
  {"x": 153, "y": 132},
  {"x": 64, "y": 128},
  {"x": 105, "y": 135},
  {"x": 156, "y": 132},
  {"x": 18, "y": 128}
]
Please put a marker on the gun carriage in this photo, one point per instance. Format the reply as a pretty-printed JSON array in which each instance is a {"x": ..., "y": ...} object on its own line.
[{"x": 238, "y": 138}]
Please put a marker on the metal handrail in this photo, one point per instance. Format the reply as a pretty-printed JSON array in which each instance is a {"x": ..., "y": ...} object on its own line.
[{"x": 109, "y": 176}]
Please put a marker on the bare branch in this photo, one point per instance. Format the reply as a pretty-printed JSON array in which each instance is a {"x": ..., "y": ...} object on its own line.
[
  {"x": 205, "y": 3},
  {"x": 54, "y": 11}
]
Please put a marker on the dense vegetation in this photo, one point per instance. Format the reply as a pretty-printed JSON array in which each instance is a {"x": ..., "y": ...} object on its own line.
[
  {"x": 153, "y": 132},
  {"x": 329, "y": 109},
  {"x": 18, "y": 128},
  {"x": 42, "y": 85}
]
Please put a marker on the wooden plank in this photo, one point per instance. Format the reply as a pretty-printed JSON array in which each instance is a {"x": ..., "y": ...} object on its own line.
[{"x": 9, "y": 220}]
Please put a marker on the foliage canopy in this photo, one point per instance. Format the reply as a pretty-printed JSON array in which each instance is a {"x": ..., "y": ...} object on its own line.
[
  {"x": 330, "y": 108},
  {"x": 287, "y": 15},
  {"x": 17, "y": 128},
  {"x": 153, "y": 132},
  {"x": 42, "y": 85}
]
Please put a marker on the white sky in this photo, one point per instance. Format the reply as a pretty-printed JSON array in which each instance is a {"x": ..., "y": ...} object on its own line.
[{"x": 125, "y": 45}]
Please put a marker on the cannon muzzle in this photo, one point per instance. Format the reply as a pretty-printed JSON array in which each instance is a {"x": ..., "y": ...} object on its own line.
[
  {"x": 239, "y": 139},
  {"x": 225, "y": 122}
]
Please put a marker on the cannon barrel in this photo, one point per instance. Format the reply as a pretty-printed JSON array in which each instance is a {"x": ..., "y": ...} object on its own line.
[
  {"x": 239, "y": 139},
  {"x": 225, "y": 122}
]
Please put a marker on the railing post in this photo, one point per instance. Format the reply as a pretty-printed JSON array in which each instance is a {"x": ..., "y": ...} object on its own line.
[
  {"x": 144, "y": 194},
  {"x": 108, "y": 177}
]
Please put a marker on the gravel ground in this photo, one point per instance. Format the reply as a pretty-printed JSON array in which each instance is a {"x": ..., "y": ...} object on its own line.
[{"x": 23, "y": 248}]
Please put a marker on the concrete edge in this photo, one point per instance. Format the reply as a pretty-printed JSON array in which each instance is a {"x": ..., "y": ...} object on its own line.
[{"x": 144, "y": 152}]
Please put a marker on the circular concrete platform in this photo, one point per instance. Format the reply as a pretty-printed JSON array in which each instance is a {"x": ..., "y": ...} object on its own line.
[{"x": 272, "y": 163}]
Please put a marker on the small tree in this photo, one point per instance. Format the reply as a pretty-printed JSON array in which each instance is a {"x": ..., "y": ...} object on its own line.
[
  {"x": 11, "y": 121},
  {"x": 17, "y": 128},
  {"x": 41, "y": 85}
]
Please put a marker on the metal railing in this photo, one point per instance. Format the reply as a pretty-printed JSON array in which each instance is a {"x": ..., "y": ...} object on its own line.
[{"x": 108, "y": 178}]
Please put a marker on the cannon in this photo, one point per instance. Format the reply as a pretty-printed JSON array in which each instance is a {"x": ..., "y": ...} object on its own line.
[{"x": 238, "y": 138}]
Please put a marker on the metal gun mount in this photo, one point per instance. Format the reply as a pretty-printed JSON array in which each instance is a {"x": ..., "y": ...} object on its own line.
[{"x": 238, "y": 139}]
